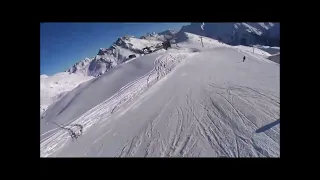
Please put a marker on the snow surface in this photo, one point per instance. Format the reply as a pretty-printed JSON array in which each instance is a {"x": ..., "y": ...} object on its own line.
[
  {"x": 271, "y": 50},
  {"x": 253, "y": 50},
  {"x": 191, "y": 40},
  {"x": 108, "y": 58},
  {"x": 119, "y": 52},
  {"x": 53, "y": 88},
  {"x": 184, "y": 102},
  {"x": 275, "y": 58},
  {"x": 43, "y": 76}
]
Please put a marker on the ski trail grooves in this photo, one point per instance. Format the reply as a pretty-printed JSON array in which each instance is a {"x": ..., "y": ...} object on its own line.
[
  {"x": 246, "y": 125},
  {"x": 100, "y": 113},
  {"x": 147, "y": 132}
]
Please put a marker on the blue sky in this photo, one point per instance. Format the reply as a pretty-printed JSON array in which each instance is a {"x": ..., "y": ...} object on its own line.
[{"x": 64, "y": 44}]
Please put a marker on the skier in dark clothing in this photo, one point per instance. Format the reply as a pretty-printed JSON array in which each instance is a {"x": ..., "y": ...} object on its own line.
[{"x": 244, "y": 58}]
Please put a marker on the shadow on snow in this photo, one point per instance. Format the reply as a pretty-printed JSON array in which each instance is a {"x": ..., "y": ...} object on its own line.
[{"x": 268, "y": 126}]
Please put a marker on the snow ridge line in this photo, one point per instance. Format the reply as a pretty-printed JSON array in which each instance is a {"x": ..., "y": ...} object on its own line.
[
  {"x": 102, "y": 111},
  {"x": 86, "y": 115},
  {"x": 256, "y": 56}
]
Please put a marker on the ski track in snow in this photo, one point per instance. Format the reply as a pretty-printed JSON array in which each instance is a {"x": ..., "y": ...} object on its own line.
[
  {"x": 100, "y": 113},
  {"x": 223, "y": 123},
  {"x": 214, "y": 124},
  {"x": 217, "y": 119}
]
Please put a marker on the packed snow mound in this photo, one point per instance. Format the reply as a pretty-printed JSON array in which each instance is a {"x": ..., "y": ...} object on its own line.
[
  {"x": 237, "y": 33},
  {"x": 275, "y": 58},
  {"x": 52, "y": 88},
  {"x": 71, "y": 106}
]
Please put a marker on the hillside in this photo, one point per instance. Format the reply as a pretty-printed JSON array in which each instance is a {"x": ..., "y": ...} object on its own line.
[
  {"x": 116, "y": 54},
  {"x": 238, "y": 33},
  {"x": 53, "y": 88},
  {"x": 189, "y": 101}
]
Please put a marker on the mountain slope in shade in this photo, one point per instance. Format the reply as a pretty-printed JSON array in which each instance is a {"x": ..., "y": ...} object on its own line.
[
  {"x": 238, "y": 33},
  {"x": 271, "y": 50},
  {"x": 162, "y": 36}
]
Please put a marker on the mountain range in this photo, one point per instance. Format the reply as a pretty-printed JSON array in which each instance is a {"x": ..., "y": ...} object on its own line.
[{"x": 54, "y": 87}]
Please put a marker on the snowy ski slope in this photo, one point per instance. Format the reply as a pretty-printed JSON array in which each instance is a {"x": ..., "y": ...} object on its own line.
[
  {"x": 185, "y": 102},
  {"x": 53, "y": 88}
]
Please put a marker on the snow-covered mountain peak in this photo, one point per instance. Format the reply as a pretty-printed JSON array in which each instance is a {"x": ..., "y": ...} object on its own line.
[
  {"x": 238, "y": 33},
  {"x": 251, "y": 29},
  {"x": 79, "y": 65},
  {"x": 162, "y": 36},
  {"x": 43, "y": 76},
  {"x": 120, "y": 41},
  {"x": 153, "y": 34},
  {"x": 168, "y": 32},
  {"x": 117, "y": 53},
  {"x": 103, "y": 51}
]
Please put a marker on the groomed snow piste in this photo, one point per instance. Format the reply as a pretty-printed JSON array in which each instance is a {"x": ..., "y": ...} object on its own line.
[{"x": 188, "y": 101}]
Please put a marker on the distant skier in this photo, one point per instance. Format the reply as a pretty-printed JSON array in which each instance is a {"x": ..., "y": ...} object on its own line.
[{"x": 244, "y": 58}]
